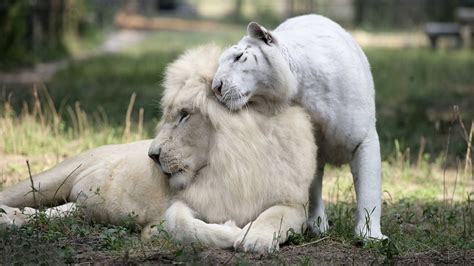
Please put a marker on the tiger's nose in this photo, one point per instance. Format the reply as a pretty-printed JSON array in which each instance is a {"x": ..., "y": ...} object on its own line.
[{"x": 218, "y": 88}]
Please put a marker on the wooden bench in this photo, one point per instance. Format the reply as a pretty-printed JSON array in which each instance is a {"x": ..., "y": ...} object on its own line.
[{"x": 435, "y": 30}]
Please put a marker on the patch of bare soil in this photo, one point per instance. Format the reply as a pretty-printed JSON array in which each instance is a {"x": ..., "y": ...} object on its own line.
[
  {"x": 326, "y": 252},
  {"x": 432, "y": 257}
]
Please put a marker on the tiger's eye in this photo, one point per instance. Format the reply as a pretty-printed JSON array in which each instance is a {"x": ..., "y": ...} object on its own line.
[{"x": 238, "y": 57}]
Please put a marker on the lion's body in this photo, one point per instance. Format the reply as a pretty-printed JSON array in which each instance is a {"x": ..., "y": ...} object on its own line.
[
  {"x": 314, "y": 62},
  {"x": 110, "y": 182},
  {"x": 243, "y": 166}
]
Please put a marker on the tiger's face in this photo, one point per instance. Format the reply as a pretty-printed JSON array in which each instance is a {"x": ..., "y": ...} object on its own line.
[{"x": 253, "y": 68}]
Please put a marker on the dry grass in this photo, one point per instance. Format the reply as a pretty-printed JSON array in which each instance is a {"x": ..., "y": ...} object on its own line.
[
  {"x": 45, "y": 135},
  {"x": 428, "y": 207}
]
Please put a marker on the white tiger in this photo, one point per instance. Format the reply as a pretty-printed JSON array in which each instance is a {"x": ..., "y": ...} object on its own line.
[{"x": 313, "y": 61}]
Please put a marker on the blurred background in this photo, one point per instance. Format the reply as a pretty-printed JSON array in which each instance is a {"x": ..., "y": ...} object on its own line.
[{"x": 77, "y": 74}]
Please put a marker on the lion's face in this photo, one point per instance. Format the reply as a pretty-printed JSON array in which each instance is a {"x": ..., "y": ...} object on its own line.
[{"x": 181, "y": 147}]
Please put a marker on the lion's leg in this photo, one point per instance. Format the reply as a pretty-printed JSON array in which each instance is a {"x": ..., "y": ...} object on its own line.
[
  {"x": 50, "y": 187},
  {"x": 271, "y": 228},
  {"x": 17, "y": 217},
  {"x": 61, "y": 210},
  {"x": 14, "y": 216},
  {"x": 366, "y": 171},
  {"x": 318, "y": 221},
  {"x": 180, "y": 222}
]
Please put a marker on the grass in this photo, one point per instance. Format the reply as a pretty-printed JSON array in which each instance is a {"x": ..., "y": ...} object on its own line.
[
  {"x": 428, "y": 203},
  {"x": 416, "y": 88},
  {"x": 416, "y": 91},
  {"x": 428, "y": 209}
]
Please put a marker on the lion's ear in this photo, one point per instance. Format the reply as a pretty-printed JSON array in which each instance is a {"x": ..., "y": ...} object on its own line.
[{"x": 256, "y": 31}]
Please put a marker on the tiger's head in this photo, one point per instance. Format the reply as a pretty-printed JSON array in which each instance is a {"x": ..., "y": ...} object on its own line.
[{"x": 254, "y": 70}]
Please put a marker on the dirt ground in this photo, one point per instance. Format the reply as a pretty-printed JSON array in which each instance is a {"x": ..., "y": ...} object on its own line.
[{"x": 325, "y": 252}]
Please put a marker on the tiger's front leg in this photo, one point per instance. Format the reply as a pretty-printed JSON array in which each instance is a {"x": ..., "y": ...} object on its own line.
[{"x": 366, "y": 171}]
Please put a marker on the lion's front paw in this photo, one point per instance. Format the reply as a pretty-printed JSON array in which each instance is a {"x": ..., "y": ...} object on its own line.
[
  {"x": 13, "y": 216},
  {"x": 233, "y": 228},
  {"x": 5, "y": 220},
  {"x": 258, "y": 241}
]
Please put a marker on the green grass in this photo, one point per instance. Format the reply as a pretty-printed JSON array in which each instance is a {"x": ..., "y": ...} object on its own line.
[
  {"x": 427, "y": 210},
  {"x": 105, "y": 83},
  {"x": 429, "y": 231},
  {"x": 416, "y": 92},
  {"x": 416, "y": 88},
  {"x": 428, "y": 207},
  {"x": 71, "y": 239}
]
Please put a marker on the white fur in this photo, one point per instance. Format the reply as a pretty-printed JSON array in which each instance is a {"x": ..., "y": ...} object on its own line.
[
  {"x": 258, "y": 166},
  {"x": 259, "y": 169},
  {"x": 313, "y": 61},
  {"x": 108, "y": 182}
]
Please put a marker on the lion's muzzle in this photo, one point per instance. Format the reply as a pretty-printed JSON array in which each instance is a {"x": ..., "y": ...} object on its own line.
[
  {"x": 154, "y": 152},
  {"x": 167, "y": 163}
]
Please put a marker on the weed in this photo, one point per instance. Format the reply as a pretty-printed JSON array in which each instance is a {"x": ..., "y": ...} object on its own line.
[
  {"x": 295, "y": 238},
  {"x": 114, "y": 238},
  {"x": 305, "y": 261}
]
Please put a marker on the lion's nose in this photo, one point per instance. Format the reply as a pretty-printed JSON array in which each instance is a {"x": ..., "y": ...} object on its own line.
[
  {"x": 218, "y": 88},
  {"x": 155, "y": 155}
]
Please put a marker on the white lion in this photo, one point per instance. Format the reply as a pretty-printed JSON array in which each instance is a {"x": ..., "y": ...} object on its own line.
[
  {"x": 225, "y": 170},
  {"x": 313, "y": 61}
]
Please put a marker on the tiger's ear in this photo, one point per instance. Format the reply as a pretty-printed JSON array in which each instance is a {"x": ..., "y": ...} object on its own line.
[{"x": 256, "y": 31}]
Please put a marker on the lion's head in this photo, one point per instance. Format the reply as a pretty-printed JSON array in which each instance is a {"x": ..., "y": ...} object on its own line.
[
  {"x": 231, "y": 157},
  {"x": 254, "y": 69},
  {"x": 181, "y": 146}
]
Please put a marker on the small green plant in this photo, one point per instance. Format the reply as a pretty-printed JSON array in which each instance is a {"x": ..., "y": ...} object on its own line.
[
  {"x": 305, "y": 261},
  {"x": 67, "y": 254},
  {"x": 295, "y": 238},
  {"x": 385, "y": 247},
  {"x": 114, "y": 238}
]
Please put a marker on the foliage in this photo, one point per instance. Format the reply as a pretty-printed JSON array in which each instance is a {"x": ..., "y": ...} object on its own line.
[
  {"x": 35, "y": 31},
  {"x": 416, "y": 90},
  {"x": 396, "y": 14},
  {"x": 14, "y": 31}
]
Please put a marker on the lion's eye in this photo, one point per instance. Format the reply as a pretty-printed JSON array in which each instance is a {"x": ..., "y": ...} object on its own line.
[
  {"x": 238, "y": 57},
  {"x": 183, "y": 116}
]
